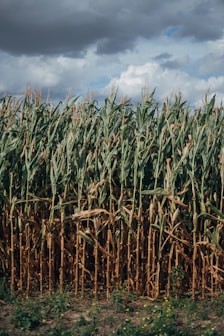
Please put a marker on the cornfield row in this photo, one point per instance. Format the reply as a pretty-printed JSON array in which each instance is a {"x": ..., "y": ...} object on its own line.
[{"x": 100, "y": 197}]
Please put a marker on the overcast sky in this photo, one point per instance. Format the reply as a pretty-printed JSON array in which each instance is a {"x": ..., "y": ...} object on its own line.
[{"x": 76, "y": 46}]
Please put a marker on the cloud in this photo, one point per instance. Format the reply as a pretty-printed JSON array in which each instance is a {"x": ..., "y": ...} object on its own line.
[
  {"x": 76, "y": 46},
  {"x": 59, "y": 74},
  {"x": 176, "y": 63},
  {"x": 203, "y": 21},
  {"x": 162, "y": 56},
  {"x": 212, "y": 62},
  {"x": 54, "y": 27},
  {"x": 167, "y": 82}
]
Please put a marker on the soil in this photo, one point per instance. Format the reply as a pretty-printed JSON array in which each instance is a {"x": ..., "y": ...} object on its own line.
[{"x": 196, "y": 318}]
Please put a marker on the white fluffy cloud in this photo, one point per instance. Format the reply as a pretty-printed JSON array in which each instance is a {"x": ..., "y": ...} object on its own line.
[
  {"x": 62, "y": 75},
  {"x": 167, "y": 82},
  {"x": 58, "y": 74}
]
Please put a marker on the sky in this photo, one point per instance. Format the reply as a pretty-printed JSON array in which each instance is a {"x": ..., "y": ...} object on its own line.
[{"x": 95, "y": 47}]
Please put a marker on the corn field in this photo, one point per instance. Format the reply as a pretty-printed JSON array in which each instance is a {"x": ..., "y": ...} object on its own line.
[{"x": 100, "y": 197}]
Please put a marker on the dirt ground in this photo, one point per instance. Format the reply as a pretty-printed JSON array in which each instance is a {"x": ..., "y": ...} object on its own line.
[{"x": 88, "y": 316}]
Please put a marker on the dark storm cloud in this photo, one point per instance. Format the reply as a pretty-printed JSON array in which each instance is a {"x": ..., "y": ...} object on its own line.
[
  {"x": 205, "y": 21},
  {"x": 70, "y": 27},
  {"x": 176, "y": 63},
  {"x": 46, "y": 27},
  {"x": 162, "y": 56}
]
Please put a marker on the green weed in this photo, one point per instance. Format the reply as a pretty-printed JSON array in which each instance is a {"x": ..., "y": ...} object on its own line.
[
  {"x": 89, "y": 328},
  {"x": 58, "y": 303},
  {"x": 59, "y": 331},
  {"x": 177, "y": 278},
  {"x": 210, "y": 332},
  {"x": 164, "y": 321},
  {"x": 130, "y": 329},
  {"x": 5, "y": 294},
  {"x": 120, "y": 298},
  {"x": 27, "y": 315},
  {"x": 3, "y": 333}
]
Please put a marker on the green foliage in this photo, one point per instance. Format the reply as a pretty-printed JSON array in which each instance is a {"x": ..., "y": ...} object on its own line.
[
  {"x": 210, "y": 332},
  {"x": 164, "y": 320},
  {"x": 27, "y": 314},
  {"x": 189, "y": 307},
  {"x": 81, "y": 321},
  {"x": 177, "y": 278},
  {"x": 59, "y": 331},
  {"x": 5, "y": 294},
  {"x": 217, "y": 305},
  {"x": 130, "y": 329},
  {"x": 120, "y": 298},
  {"x": 3, "y": 333},
  {"x": 87, "y": 327},
  {"x": 89, "y": 330},
  {"x": 165, "y": 317},
  {"x": 58, "y": 303}
]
